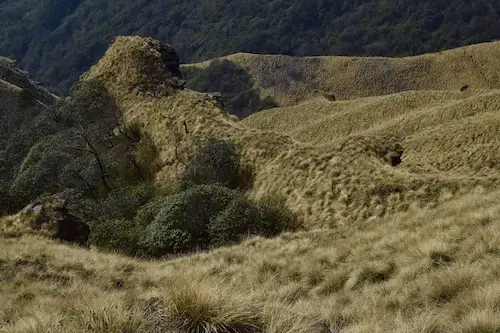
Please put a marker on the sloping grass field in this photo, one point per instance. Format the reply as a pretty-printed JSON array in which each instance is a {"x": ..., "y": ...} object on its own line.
[
  {"x": 426, "y": 270},
  {"x": 395, "y": 185}
]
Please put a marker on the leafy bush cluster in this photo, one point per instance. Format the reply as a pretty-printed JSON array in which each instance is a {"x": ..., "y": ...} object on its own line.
[
  {"x": 74, "y": 146},
  {"x": 81, "y": 151},
  {"x": 215, "y": 162},
  {"x": 208, "y": 211}
]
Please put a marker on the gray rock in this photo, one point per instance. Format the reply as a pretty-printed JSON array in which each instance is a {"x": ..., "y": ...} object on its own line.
[
  {"x": 215, "y": 95},
  {"x": 54, "y": 217},
  {"x": 177, "y": 82}
]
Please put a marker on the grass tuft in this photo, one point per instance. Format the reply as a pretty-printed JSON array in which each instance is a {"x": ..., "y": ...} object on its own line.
[{"x": 208, "y": 307}]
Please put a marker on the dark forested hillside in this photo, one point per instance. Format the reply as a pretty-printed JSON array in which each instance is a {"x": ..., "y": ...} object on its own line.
[{"x": 56, "y": 41}]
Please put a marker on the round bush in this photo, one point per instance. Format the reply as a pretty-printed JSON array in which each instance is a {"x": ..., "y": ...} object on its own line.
[
  {"x": 244, "y": 218},
  {"x": 275, "y": 218},
  {"x": 182, "y": 224},
  {"x": 238, "y": 220},
  {"x": 213, "y": 162},
  {"x": 146, "y": 214},
  {"x": 117, "y": 235}
]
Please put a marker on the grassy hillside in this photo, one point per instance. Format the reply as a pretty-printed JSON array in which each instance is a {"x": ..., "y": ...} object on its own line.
[
  {"x": 404, "y": 187},
  {"x": 335, "y": 182},
  {"x": 440, "y": 131},
  {"x": 334, "y": 162},
  {"x": 290, "y": 80},
  {"x": 58, "y": 41},
  {"x": 424, "y": 271}
]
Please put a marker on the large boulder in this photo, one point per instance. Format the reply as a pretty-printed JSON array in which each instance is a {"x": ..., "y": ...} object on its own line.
[{"x": 53, "y": 218}]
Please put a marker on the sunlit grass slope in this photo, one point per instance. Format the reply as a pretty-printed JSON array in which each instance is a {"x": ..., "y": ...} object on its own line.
[
  {"x": 410, "y": 248},
  {"x": 441, "y": 131},
  {"x": 293, "y": 79},
  {"x": 427, "y": 270},
  {"x": 326, "y": 182}
]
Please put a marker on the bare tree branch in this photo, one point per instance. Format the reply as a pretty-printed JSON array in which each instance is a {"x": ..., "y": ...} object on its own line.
[{"x": 95, "y": 153}]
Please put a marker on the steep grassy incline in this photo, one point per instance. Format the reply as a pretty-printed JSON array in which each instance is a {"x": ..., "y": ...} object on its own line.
[
  {"x": 291, "y": 80},
  {"x": 328, "y": 184},
  {"x": 422, "y": 271}
]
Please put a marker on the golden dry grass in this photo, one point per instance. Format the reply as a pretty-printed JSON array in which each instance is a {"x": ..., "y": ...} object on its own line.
[
  {"x": 442, "y": 130},
  {"x": 328, "y": 159},
  {"x": 412, "y": 248},
  {"x": 426, "y": 270},
  {"x": 294, "y": 79}
]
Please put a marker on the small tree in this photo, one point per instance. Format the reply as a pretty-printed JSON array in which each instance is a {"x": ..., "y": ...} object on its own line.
[
  {"x": 244, "y": 218},
  {"x": 182, "y": 224},
  {"x": 213, "y": 162}
]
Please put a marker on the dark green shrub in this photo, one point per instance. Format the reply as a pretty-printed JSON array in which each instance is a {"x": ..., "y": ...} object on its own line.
[
  {"x": 244, "y": 218},
  {"x": 40, "y": 170},
  {"x": 90, "y": 102},
  {"x": 146, "y": 156},
  {"x": 198, "y": 218},
  {"x": 213, "y": 162},
  {"x": 183, "y": 223},
  {"x": 275, "y": 217},
  {"x": 8, "y": 204},
  {"x": 124, "y": 203},
  {"x": 26, "y": 99},
  {"x": 117, "y": 235},
  {"x": 236, "y": 222},
  {"x": 146, "y": 214},
  {"x": 123, "y": 234}
]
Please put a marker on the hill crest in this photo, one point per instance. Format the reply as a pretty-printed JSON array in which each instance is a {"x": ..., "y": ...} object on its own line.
[{"x": 291, "y": 80}]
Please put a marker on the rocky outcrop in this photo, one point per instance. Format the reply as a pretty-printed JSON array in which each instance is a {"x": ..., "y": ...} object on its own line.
[
  {"x": 138, "y": 66},
  {"x": 53, "y": 217}
]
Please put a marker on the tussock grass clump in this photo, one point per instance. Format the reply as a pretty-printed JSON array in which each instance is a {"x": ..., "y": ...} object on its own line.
[
  {"x": 373, "y": 272},
  {"x": 208, "y": 307},
  {"x": 334, "y": 281},
  {"x": 281, "y": 318},
  {"x": 110, "y": 315},
  {"x": 437, "y": 252},
  {"x": 479, "y": 321},
  {"x": 14, "y": 226},
  {"x": 444, "y": 285}
]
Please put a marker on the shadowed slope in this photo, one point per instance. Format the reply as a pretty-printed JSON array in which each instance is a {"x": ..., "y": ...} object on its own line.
[
  {"x": 291, "y": 80},
  {"x": 21, "y": 99},
  {"x": 10, "y": 76}
]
